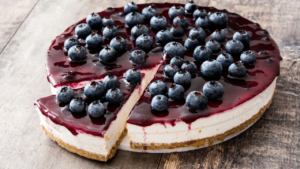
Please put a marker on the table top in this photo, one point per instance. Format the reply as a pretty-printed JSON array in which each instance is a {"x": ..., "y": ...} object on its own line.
[{"x": 27, "y": 28}]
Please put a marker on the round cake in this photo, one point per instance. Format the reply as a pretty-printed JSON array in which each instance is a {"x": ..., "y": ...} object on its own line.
[{"x": 157, "y": 78}]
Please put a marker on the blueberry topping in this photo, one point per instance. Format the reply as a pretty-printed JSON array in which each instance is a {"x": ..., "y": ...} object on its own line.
[
  {"x": 96, "y": 109},
  {"x": 130, "y": 7},
  {"x": 94, "y": 90},
  {"x": 218, "y": 20},
  {"x": 107, "y": 21},
  {"x": 173, "y": 49},
  {"x": 178, "y": 61},
  {"x": 118, "y": 43},
  {"x": 160, "y": 103},
  {"x": 148, "y": 12},
  {"x": 202, "y": 53},
  {"x": 94, "y": 21},
  {"x": 144, "y": 42},
  {"x": 199, "y": 12},
  {"x": 70, "y": 42},
  {"x": 213, "y": 45},
  {"x": 196, "y": 100},
  {"x": 242, "y": 36},
  {"x": 111, "y": 81},
  {"x": 190, "y": 6},
  {"x": 213, "y": 90},
  {"x": 175, "y": 11},
  {"x": 197, "y": 33},
  {"x": 211, "y": 68},
  {"x": 237, "y": 69},
  {"x": 176, "y": 92},
  {"x": 158, "y": 87},
  {"x": 77, "y": 105},
  {"x": 170, "y": 70},
  {"x": 64, "y": 94},
  {"x": 202, "y": 22},
  {"x": 163, "y": 37},
  {"x": 82, "y": 30},
  {"x": 77, "y": 53},
  {"x": 134, "y": 18},
  {"x": 138, "y": 57},
  {"x": 225, "y": 59},
  {"x": 138, "y": 30},
  {"x": 218, "y": 35},
  {"x": 234, "y": 47},
  {"x": 110, "y": 32},
  {"x": 158, "y": 22},
  {"x": 182, "y": 77},
  {"x": 191, "y": 43},
  {"x": 189, "y": 66},
  {"x": 114, "y": 96},
  {"x": 181, "y": 21},
  {"x": 177, "y": 31},
  {"x": 93, "y": 41},
  {"x": 248, "y": 57},
  {"x": 108, "y": 54},
  {"x": 133, "y": 76}
]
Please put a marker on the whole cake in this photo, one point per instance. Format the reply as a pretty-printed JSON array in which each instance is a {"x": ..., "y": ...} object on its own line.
[{"x": 161, "y": 77}]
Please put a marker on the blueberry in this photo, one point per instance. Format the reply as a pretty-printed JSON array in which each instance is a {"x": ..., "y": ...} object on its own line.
[
  {"x": 144, "y": 42},
  {"x": 111, "y": 81},
  {"x": 138, "y": 30},
  {"x": 64, "y": 94},
  {"x": 118, "y": 43},
  {"x": 182, "y": 77},
  {"x": 237, "y": 69},
  {"x": 191, "y": 43},
  {"x": 225, "y": 59},
  {"x": 173, "y": 49},
  {"x": 134, "y": 18},
  {"x": 202, "y": 53},
  {"x": 108, "y": 54},
  {"x": 176, "y": 92},
  {"x": 96, "y": 109},
  {"x": 218, "y": 35},
  {"x": 94, "y": 41},
  {"x": 160, "y": 103},
  {"x": 170, "y": 70},
  {"x": 138, "y": 56},
  {"x": 181, "y": 21},
  {"x": 218, "y": 20},
  {"x": 248, "y": 57},
  {"x": 82, "y": 30},
  {"x": 71, "y": 42},
  {"x": 176, "y": 10},
  {"x": 197, "y": 33},
  {"x": 148, "y": 12},
  {"x": 158, "y": 87},
  {"x": 242, "y": 36},
  {"x": 202, "y": 22},
  {"x": 190, "y": 6},
  {"x": 158, "y": 22},
  {"x": 234, "y": 47},
  {"x": 199, "y": 12},
  {"x": 110, "y": 32},
  {"x": 213, "y": 90},
  {"x": 107, "y": 21},
  {"x": 163, "y": 37},
  {"x": 130, "y": 7},
  {"x": 94, "y": 90},
  {"x": 178, "y": 61},
  {"x": 77, "y": 105},
  {"x": 133, "y": 76},
  {"x": 77, "y": 53},
  {"x": 211, "y": 68},
  {"x": 94, "y": 21},
  {"x": 177, "y": 31},
  {"x": 114, "y": 96},
  {"x": 196, "y": 100},
  {"x": 190, "y": 67},
  {"x": 213, "y": 45}
]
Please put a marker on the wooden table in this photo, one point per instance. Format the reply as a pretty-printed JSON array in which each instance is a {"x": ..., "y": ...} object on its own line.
[{"x": 27, "y": 28}]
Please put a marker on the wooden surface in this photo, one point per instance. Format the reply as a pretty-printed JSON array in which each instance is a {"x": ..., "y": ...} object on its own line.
[{"x": 27, "y": 28}]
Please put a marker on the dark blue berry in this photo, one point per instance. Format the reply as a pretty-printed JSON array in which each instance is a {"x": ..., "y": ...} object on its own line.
[
  {"x": 218, "y": 20},
  {"x": 190, "y": 67},
  {"x": 182, "y": 77},
  {"x": 82, "y": 30},
  {"x": 170, "y": 70},
  {"x": 77, "y": 105},
  {"x": 96, "y": 109},
  {"x": 176, "y": 10},
  {"x": 71, "y": 42},
  {"x": 178, "y": 61},
  {"x": 213, "y": 45},
  {"x": 110, "y": 32},
  {"x": 94, "y": 21},
  {"x": 107, "y": 21},
  {"x": 218, "y": 35},
  {"x": 134, "y": 18},
  {"x": 211, "y": 68},
  {"x": 130, "y": 7},
  {"x": 191, "y": 43},
  {"x": 225, "y": 59},
  {"x": 202, "y": 53},
  {"x": 197, "y": 33},
  {"x": 177, "y": 31},
  {"x": 158, "y": 87},
  {"x": 94, "y": 90},
  {"x": 77, "y": 53},
  {"x": 108, "y": 54},
  {"x": 199, "y": 12},
  {"x": 114, "y": 96},
  {"x": 144, "y": 42},
  {"x": 213, "y": 90},
  {"x": 138, "y": 56},
  {"x": 248, "y": 57},
  {"x": 138, "y": 30},
  {"x": 160, "y": 103},
  {"x": 173, "y": 49},
  {"x": 190, "y": 6},
  {"x": 118, "y": 43},
  {"x": 202, "y": 22},
  {"x": 181, "y": 21},
  {"x": 148, "y": 12},
  {"x": 234, "y": 47},
  {"x": 93, "y": 41},
  {"x": 64, "y": 94},
  {"x": 111, "y": 81},
  {"x": 163, "y": 37},
  {"x": 237, "y": 69},
  {"x": 176, "y": 92},
  {"x": 196, "y": 100},
  {"x": 158, "y": 22},
  {"x": 242, "y": 36},
  {"x": 133, "y": 76}
]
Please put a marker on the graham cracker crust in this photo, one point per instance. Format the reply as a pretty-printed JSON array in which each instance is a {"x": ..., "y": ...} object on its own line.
[
  {"x": 200, "y": 142},
  {"x": 86, "y": 153}
]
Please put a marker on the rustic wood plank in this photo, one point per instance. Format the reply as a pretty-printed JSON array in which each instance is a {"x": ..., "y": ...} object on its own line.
[{"x": 273, "y": 142}]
